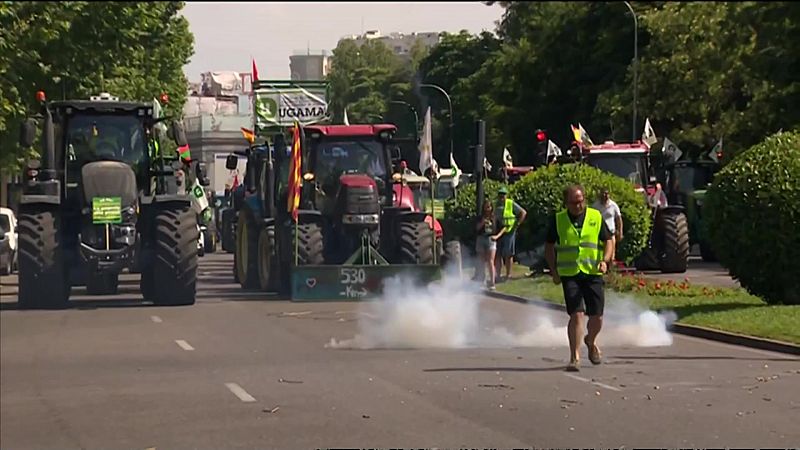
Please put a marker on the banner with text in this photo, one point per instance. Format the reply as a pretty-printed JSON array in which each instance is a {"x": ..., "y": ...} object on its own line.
[{"x": 281, "y": 106}]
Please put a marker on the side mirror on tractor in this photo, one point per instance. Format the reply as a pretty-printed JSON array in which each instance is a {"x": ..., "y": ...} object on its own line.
[
  {"x": 201, "y": 174},
  {"x": 178, "y": 133},
  {"x": 231, "y": 162},
  {"x": 27, "y": 133}
]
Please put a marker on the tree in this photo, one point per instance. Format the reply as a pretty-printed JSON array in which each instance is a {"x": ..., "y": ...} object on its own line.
[
  {"x": 76, "y": 49},
  {"x": 717, "y": 70}
]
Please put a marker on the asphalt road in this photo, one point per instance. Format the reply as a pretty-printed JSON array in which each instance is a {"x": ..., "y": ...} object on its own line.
[{"x": 238, "y": 370}]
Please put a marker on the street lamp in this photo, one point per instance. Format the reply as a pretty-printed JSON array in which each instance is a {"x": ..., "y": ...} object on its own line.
[
  {"x": 450, "y": 105},
  {"x": 635, "y": 67}
]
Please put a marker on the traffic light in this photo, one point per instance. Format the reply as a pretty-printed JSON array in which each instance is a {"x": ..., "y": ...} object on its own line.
[{"x": 541, "y": 146}]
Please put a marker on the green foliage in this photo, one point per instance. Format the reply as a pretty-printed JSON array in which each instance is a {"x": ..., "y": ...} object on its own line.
[
  {"x": 134, "y": 50},
  {"x": 753, "y": 215},
  {"x": 716, "y": 69},
  {"x": 541, "y": 194}
]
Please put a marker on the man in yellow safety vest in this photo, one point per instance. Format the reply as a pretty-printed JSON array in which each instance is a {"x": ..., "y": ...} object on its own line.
[
  {"x": 579, "y": 249},
  {"x": 510, "y": 215}
]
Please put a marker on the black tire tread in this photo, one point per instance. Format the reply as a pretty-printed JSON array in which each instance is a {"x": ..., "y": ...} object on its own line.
[
  {"x": 676, "y": 243},
  {"x": 250, "y": 280},
  {"x": 309, "y": 246},
  {"x": 43, "y": 277},
  {"x": 174, "y": 269},
  {"x": 416, "y": 243}
]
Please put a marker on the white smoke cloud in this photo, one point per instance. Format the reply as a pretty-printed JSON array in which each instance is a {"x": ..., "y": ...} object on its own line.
[{"x": 453, "y": 313}]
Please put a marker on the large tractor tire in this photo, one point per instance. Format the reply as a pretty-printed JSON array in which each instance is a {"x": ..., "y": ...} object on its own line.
[
  {"x": 228, "y": 231},
  {"x": 310, "y": 246},
  {"x": 43, "y": 275},
  {"x": 451, "y": 260},
  {"x": 268, "y": 268},
  {"x": 172, "y": 277},
  {"x": 648, "y": 260},
  {"x": 102, "y": 284},
  {"x": 416, "y": 243},
  {"x": 675, "y": 253},
  {"x": 247, "y": 250},
  {"x": 210, "y": 240}
]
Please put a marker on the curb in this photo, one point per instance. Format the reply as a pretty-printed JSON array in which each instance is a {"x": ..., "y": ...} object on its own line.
[{"x": 687, "y": 330}]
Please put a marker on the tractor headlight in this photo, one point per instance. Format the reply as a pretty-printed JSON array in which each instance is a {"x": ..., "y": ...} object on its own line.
[{"x": 360, "y": 219}]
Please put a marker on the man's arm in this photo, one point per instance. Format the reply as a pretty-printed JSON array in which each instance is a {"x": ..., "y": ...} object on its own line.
[
  {"x": 618, "y": 221},
  {"x": 521, "y": 214}
]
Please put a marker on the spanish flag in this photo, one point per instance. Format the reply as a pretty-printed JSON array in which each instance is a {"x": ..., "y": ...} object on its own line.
[
  {"x": 249, "y": 135},
  {"x": 293, "y": 204}
]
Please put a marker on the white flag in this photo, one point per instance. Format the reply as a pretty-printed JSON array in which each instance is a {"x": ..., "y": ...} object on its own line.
[
  {"x": 346, "y": 121},
  {"x": 425, "y": 145},
  {"x": 587, "y": 141},
  {"x": 649, "y": 135},
  {"x": 670, "y": 150},
  {"x": 507, "y": 161},
  {"x": 486, "y": 164},
  {"x": 715, "y": 152},
  {"x": 455, "y": 171},
  {"x": 552, "y": 150}
]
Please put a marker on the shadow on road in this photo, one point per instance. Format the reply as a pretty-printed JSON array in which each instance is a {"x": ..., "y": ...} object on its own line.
[
  {"x": 498, "y": 369},
  {"x": 705, "y": 358}
]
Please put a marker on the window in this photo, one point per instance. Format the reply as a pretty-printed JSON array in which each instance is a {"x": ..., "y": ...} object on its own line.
[{"x": 629, "y": 166}]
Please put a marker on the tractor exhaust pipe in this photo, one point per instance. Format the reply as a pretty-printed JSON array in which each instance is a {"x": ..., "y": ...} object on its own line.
[
  {"x": 48, "y": 141},
  {"x": 480, "y": 154}
]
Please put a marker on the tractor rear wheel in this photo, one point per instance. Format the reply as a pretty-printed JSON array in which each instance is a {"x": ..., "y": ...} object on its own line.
[
  {"x": 648, "y": 260},
  {"x": 173, "y": 277},
  {"x": 247, "y": 250},
  {"x": 228, "y": 230},
  {"x": 416, "y": 243},
  {"x": 675, "y": 256},
  {"x": 43, "y": 277},
  {"x": 268, "y": 275}
]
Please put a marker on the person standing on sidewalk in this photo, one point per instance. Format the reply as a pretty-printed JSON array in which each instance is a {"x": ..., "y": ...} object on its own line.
[
  {"x": 578, "y": 249},
  {"x": 489, "y": 231},
  {"x": 611, "y": 216},
  {"x": 511, "y": 215}
]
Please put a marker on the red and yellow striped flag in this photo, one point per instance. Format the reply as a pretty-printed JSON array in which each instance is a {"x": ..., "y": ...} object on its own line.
[{"x": 294, "y": 174}]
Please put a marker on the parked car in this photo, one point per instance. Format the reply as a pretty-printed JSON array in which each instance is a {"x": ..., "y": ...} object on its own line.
[{"x": 8, "y": 222}]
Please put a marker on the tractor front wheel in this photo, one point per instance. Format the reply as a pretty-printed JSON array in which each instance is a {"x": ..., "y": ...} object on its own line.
[
  {"x": 416, "y": 243},
  {"x": 43, "y": 277},
  {"x": 247, "y": 250},
  {"x": 675, "y": 257},
  {"x": 267, "y": 265},
  {"x": 172, "y": 280}
]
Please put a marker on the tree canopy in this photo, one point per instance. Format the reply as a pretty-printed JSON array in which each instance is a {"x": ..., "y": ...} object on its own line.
[{"x": 134, "y": 50}]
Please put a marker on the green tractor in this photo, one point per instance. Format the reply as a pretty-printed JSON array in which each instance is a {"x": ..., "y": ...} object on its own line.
[
  {"x": 685, "y": 182},
  {"x": 104, "y": 198}
]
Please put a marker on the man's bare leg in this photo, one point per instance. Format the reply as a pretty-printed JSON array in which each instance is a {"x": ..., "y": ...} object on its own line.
[
  {"x": 593, "y": 326},
  {"x": 574, "y": 333}
]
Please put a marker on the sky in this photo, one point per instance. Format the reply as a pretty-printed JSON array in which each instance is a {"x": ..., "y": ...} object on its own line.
[{"x": 228, "y": 34}]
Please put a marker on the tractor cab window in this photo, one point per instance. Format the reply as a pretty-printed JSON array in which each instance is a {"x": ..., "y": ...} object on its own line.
[
  {"x": 444, "y": 189},
  {"x": 629, "y": 166},
  {"x": 687, "y": 179},
  {"x": 93, "y": 137},
  {"x": 334, "y": 158}
]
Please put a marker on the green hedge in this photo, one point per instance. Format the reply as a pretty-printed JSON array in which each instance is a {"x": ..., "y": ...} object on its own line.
[
  {"x": 753, "y": 215},
  {"x": 540, "y": 193}
]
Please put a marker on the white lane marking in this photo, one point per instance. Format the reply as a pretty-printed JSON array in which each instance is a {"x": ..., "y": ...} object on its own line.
[
  {"x": 596, "y": 383},
  {"x": 184, "y": 345},
  {"x": 239, "y": 392},
  {"x": 156, "y": 319}
]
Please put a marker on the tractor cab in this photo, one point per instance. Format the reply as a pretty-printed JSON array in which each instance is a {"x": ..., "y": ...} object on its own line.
[
  {"x": 628, "y": 161},
  {"x": 684, "y": 178}
]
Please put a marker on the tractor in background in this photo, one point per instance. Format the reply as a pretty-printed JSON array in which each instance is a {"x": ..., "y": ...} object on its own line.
[
  {"x": 102, "y": 198},
  {"x": 685, "y": 183},
  {"x": 668, "y": 247}
]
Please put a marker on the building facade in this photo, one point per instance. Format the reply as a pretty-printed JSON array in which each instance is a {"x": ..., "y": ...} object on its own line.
[
  {"x": 399, "y": 43},
  {"x": 308, "y": 66}
]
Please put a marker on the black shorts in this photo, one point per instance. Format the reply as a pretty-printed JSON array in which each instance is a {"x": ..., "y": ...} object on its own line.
[{"x": 584, "y": 293}]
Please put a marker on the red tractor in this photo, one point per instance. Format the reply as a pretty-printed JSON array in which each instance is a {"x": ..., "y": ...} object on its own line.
[
  {"x": 350, "y": 234},
  {"x": 668, "y": 248}
]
